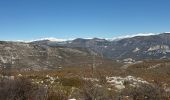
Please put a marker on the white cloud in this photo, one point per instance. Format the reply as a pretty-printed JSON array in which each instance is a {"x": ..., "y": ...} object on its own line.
[
  {"x": 52, "y": 39},
  {"x": 110, "y": 39},
  {"x": 48, "y": 38},
  {"x": 132, "y": 35},
  {"x": 166, "y": 32}
]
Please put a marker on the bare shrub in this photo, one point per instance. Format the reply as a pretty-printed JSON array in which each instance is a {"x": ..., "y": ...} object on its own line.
[
  {"x": 71, "y": 81},
  {"x": 102, "y": 77},
  {"x": 91, "y": 91},
  {"x": 57, "y": 95},
  {"x": 20, "y": 89},
  {"x": 24, "y": 89},
  {"x": 144, "y": 92}
]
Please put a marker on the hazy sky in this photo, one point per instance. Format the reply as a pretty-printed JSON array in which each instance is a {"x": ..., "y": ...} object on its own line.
[{"x": 32, "y": 19}]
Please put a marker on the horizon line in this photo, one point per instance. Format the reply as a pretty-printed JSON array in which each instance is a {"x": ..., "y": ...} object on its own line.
[{"x": 70, "y": 39}]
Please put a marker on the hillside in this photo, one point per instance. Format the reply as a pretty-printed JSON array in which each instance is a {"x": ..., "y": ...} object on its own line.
[
  {"x": 30, "y": 56},
  {"x": 128, "y": 49},
  {"x": 47, "y": 54}
]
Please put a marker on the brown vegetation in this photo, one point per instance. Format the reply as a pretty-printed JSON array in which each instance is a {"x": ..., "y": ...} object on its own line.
[{"x": 67, "y": 83}]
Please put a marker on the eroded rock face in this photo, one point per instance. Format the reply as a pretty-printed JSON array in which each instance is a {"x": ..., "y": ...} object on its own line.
[{"x": 159, "y": 47}]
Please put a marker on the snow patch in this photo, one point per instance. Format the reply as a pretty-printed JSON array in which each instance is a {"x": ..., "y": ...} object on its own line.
[
  {"x": 118, "y": 81},
  {"x": 136, "y": 49}
]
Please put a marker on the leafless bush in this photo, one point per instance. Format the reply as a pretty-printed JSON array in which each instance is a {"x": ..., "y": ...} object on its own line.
[
  {"x": 144, "y": 92},
  {"x": 57, "y": 95},
  {"x": 102, "y": 77},
  {"x": 91, "y": 91},
  {"x": 20, "y": 89},
  {"x": 24, "y": 89},
  {"x": 71, "y": 81}
]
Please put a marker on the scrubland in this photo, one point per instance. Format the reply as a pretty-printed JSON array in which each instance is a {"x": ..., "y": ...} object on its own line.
[{"x": 147, "y": 80}]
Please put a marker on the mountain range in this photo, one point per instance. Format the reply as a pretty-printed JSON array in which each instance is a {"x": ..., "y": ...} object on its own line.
[
  {"x": 133, "y": 48},
  {"x": 47, "y": 54}
]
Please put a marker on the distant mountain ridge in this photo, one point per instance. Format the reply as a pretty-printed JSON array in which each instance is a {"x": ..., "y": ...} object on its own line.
[
  {"x": 46, "y": 54},
  {"x": 35, "y": 56},
  {"x": 136, "y": 48}
]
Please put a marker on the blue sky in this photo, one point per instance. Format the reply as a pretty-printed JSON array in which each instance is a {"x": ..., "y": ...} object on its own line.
[{"x": 33, "y": 19}]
